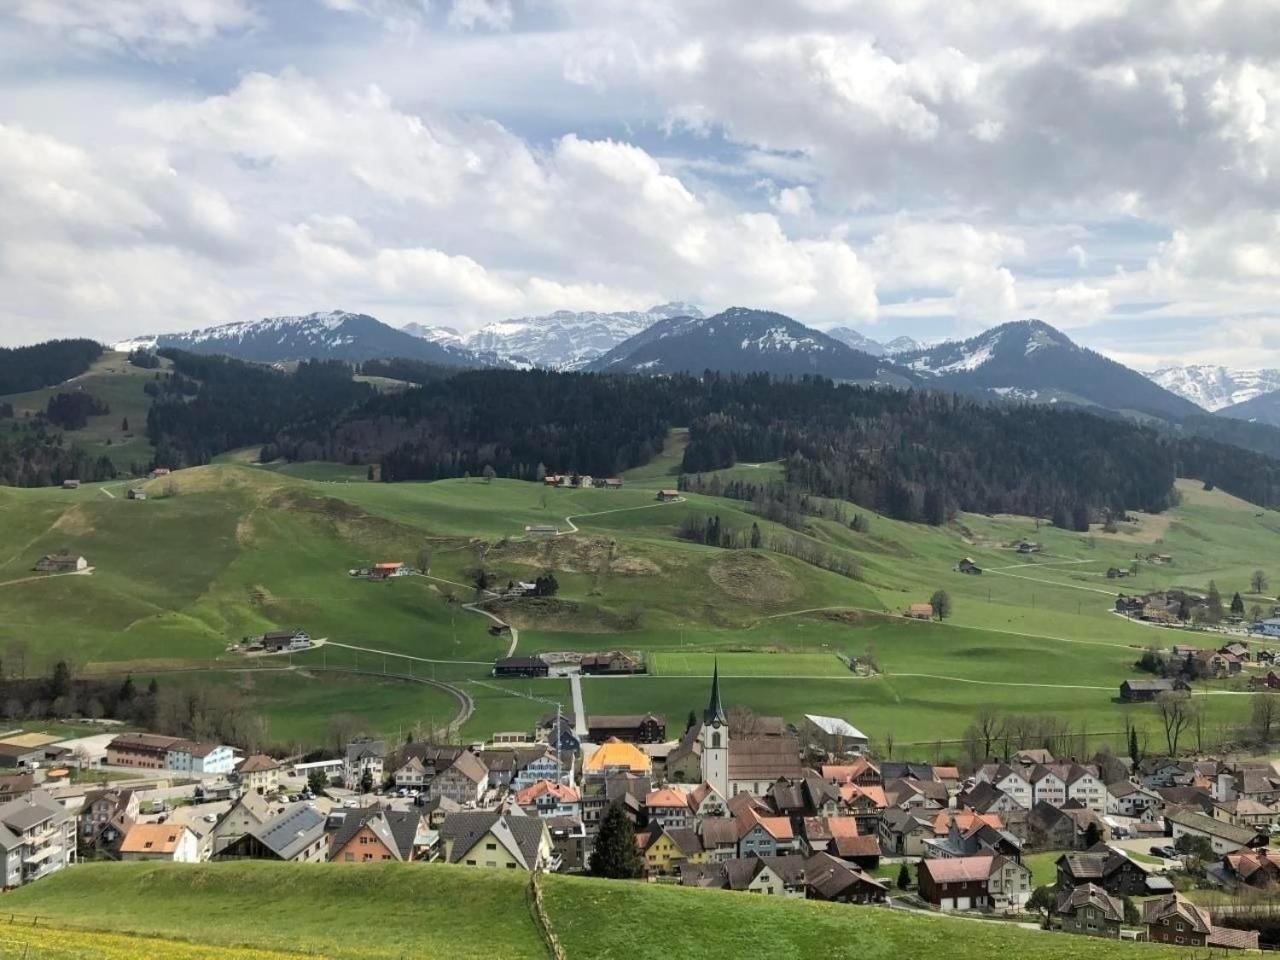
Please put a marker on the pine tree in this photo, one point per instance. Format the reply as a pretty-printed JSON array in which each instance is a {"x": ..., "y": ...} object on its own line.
[
  {"x": 756, "y": 538},
  {"x": 1237, "y": 605},
  {"x": 615, "y": 855},
  {"x": 366, "y": 781},
  {"x": 1215, "y": 603},
  {"x": 127, "y": 691},
  {"x": 1134, "y": 753},
  {"x": 904, "y": 877}
]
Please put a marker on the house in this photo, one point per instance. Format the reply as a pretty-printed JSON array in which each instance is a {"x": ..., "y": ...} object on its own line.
[
  {"x": 1049, "y": 828},
  {"x": 541, "y": 530},
  {"x": 464, "y": 781},
  {"x": 296, "y": 834},
  {"x": 278, "y": 641},
  {"x": 364, "y": 756},
  {"x": 665, "y": 852},
  {"x": 719, "y": 838},
  {"x": 668, "y": 808},
  {"x": 985, "y": 797},
  {"x": 705, "y": 801},
  {"x": 1090, "y": 910},
  {"x": 259, "y": 774},
  {"x": 1104, "y": 867},
  {"x": 70, "y": 484},
  {"x": 764, "y": 836},
  {"x": 411, "y": 775},
  {"x": 106, "y": 816},
  {"x": 833, "y": 736},
  {"x": 1128, "y": 799},
  {"x": 1254, "y": 868},
  {"x": 612, "y": 662},
  {"x": 145, "y": 750},
  {"x": 61, "y": 563},
  {"x": 375, "y": 835},
  {"x": 569, "y": 842},
  {"x": 158, "y": 472},
  {"x": 966, "y": 565},
  {"x": 1143, "y": 691},
  {"x": 614, "y": 755},
  {"x": 539, "y": 763},
  {"x": 496, "y": 840},
  {"x": 668, "y": 495},
  {"x": 250, "y": 811},
  {"x": 973, "y": 836},
  {"x": 1268, "y": 628},
  {"x": 192, "y": 756},
  {"x": 610, "y": 483},
  {"x": 176, "y": 843},
  {"x": 903, "y": 833},
  {"x": 767, "y": 876},
  {"x": 919, "y": 611},
  {"x": 1047, "y": 786},
  {"x": 37, "y": 838},
  {"x": 632, "y": 728},
  {"x": 520, "y": 667},
  {"x": 547, "y": 799},
  {"x": 1223, "y": 837},
  {"x": 388, "y": 569},
  {"x": 831, "y": 879},
  {"x": 135, "y": 493},
  {"x": 1010, "y": 781},
  {"x": 1130, "y": 606},
  {"x": 1026, "y": 546},
  {"x": 974, "y": 883},
  {"x": 1174, "y": 919}
]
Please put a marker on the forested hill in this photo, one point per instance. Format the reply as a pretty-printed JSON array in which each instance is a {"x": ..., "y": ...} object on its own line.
[
  {"x": 912, "y": 455},
  {"x": 45, "y": 364}
]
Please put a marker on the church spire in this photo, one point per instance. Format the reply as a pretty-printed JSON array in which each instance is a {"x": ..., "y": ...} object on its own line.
[{"x": 715, "y": 710}]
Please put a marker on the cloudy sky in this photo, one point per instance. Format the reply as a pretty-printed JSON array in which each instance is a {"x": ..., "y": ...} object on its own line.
[{"x": 902, "y": 166}]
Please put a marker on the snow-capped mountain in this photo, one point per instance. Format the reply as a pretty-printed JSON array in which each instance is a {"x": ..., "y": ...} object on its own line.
[
  {"x": 1216, "y": 388},
  {"x": 1030, "y": 360},
  {"x": 860, "y": 341},
  {"x": 744, "y": 341},
  {"x": 563, "y": 340},
  {"x": 335, "y": 335}
]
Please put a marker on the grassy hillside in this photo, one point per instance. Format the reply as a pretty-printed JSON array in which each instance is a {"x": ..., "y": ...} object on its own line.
[
  {"x": 117, "y": 383},
  {"x": 430, "y": 910},
  {"x": 232, "y": 549}
]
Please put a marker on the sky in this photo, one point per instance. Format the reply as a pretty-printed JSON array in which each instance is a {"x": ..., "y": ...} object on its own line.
[{"x": 920, "y": 167}]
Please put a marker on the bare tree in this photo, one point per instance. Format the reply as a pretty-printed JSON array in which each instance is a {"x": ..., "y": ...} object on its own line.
[
  {"x": 1175, "y": 716},
  {"x": 989, "y": 727},
  {"x": 1258, "y": 581},
  {"x": 1264, "y": 716}
]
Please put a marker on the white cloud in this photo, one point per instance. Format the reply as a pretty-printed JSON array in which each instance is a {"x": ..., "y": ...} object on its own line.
[
  {"x": 793, "y": 201},
  {"x": 142, "y": 25},
  {"x": 487, "y": 14}
]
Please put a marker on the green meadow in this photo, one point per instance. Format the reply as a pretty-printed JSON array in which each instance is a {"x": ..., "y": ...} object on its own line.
[{"x": 221, "y": 552}]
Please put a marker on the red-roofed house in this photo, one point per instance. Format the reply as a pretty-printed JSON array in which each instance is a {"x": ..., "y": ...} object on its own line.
[
  {"x": 548, "y": 799},
  {"x": 975, "y": 883},
  {"x": 669, "y": 808},
  {"x": 764, "y": 836}
]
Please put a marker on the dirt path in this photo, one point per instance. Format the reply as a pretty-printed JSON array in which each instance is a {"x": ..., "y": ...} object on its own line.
[
  {"x": 47, "y": 576},
  {"x": 1051, "y": 583},
  {"x": 600, "y": 513},
  {"x": 402, "y": 656}
]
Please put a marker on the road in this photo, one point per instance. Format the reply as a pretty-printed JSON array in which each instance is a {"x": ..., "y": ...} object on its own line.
[
  {"x": 573, "y": 527},
  {"x": 579, "y": 709}
]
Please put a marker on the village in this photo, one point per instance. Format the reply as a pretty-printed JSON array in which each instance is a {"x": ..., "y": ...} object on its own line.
[{"x": 1112, "y": 847}]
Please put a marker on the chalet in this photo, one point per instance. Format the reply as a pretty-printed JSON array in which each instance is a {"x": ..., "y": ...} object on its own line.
[
  {"x": 375, "y": 835},
  {"x": 1174, "y": 919},
  {"x": 1143, "y": 691},
  {"x": 1103, "y": 867},
  {"x": 520, "y": 667},
  {"x": 919, "y": 611},
  {"x": 1240, "y": 650},
  {"x": 610, "y": 483},
  {"x": 1090, "y": 910},
  {"x": 280, "y": 640},
  {"x": 833, "y": 736},
  {"x": 388, "y": 569},
  {"x": 497, "y": 840},
  {"x": 833, "y": 880},
  {"x": 974, "y": 883},
  {"x": 1130, "y": 606},
  {"x": 1026, "y": 546},
  {"x": 61, "y": 563},
  {"x": 966, "y": 565},
  {"x": 1253, "y": 868},
  {"x": 667, "y": 496},
  {"x": 136, "y": 493},
  {"x": 630, "y": 728}
]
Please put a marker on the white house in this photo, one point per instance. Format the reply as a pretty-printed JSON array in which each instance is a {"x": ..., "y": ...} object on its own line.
[
  {"x": 835, "y": 736},
  {"x": 363, "y": 755},
  {"x": 1047, "y": 787},
  {"x": 1128, "y": 799},
  {"x": 1268, "y": 628},
  {"x": 190, "y": 756},
  {"x": 161, "y": 841},
  {"x": 1085, "y": 786},
  {"x": 1009, "y": 780}
]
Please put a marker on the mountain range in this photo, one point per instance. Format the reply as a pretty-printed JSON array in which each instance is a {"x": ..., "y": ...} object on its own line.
[
  {"x": 860, "y": 341},
  {"x": 335, "y": 335},
  {"x": 563, "y": 340},
  {"x": 1217, "y": 388}
]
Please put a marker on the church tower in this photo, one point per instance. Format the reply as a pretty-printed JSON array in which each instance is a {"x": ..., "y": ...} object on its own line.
[{"x": 715, "y": 740}]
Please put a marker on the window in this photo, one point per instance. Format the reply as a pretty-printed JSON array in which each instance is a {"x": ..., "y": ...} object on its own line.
[{"x": 491, "y": 846}]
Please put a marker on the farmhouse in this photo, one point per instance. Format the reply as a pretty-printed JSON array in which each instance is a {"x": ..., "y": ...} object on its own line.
[
  {"x": 1175, "y": 919},
  {"x": 146, "y": 750},
  {"x": 614, "y": 662},
  {"x": 279, "y": 640},
  {"x": 1090, "y": 910},
  {"x": 631, "y": 728},
  {"x": 1142, "y": 691},
  {"x": 541, "y": 530},
  {"x": 833, "y": 736},
  {"x": 520, "y": 667},
  {"x": 920, "y": 611},
  {"x": 965, "y": 883},
  {"x": 966, "y": 565},
  {"x": 387, "y": 569},
  {"x": 1254, "y": 868},
  {"x": 61, "y": 563},
  {"x": 260, "y": 774},
  {"x": 136, "y": 493},
  {"x": 666, "y": 496},
  {"x": 1103, "y": 867},
  {"x": 1223, "y": 837}
]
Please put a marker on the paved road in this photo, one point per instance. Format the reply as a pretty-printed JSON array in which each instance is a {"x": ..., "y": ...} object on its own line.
[{"x": 579, "y": 710}]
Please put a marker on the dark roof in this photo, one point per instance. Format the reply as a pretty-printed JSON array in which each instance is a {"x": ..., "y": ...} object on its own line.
[
  {"x": 715, "y": 709},
  {"x": 982, "y": 796},
  {"x": 516, "y": 663},
  {"x": 464, "y": 831},
  {"x": 624, "y": 719},
  {"x": 831, "y": 878},
  {"x": 1089, "y": 895},
  {"x": 765, "y": 758},
  {"x": 295, "y": 829},
  {"x": 896, "y": 770}
]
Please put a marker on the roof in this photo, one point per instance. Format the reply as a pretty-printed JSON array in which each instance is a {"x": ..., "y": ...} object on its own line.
[
  {"x": 197, "y": 748},
  {"x": 1089, "y": 895},
  {"x": 958, "y": 869},
  {"x": 258, "y": 763},
  {"x": 687, "y": 840},
  {"x": 362, "y": 749},
  {"x": 835, "y": 727},
  {"x": 562, "y": 793},
  {"x": 718, "y": 831},
  {"x": 921, "y": 608},
  {"x": 624, "y": 719},
  {"x": 613, "y": 754},
  {"x": 765, "y": 758},
  {"x": 396, "y": 830},
  {"x": 521, "y": 836},
  {"x": 469, "y": 766},
  {"x": 1153, "y": 911},
  {"x": 715, "y": 709},
  {"x": 141, "y": 741},
  {"x": 30, "y": 740},
  {"x": 846, "y": 846},
  {"x": 848, "y": 772},
  {"x": 31, "y": 809},
  {"x": 777, "y": 827},
  {"x": 292, "y": 831},
  {"x": 666, "y": 797},
  {"x": 160, "y": 838},
  {"x": 1231, "y": 939},
  {"x": 1214, "y": 828}
]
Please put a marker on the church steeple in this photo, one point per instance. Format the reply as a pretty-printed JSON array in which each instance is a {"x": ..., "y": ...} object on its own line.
[{"x": 715, "y": 709}]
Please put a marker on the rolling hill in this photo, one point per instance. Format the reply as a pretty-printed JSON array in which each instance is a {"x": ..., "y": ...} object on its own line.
[
  {"x": 389, "y": 911},
  {"x": 740, "y": 340},
  {"x": 1029, "y": 360},
  {"x": 1264, "y": 408}
]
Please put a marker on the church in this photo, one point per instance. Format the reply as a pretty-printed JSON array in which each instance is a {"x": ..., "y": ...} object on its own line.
[{"x": 742, "y": 754}]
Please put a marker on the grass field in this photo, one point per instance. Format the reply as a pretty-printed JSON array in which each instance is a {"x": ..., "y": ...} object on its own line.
[
  {"x": 232, "y": 549},
  {"x": 377, "y": 911}
]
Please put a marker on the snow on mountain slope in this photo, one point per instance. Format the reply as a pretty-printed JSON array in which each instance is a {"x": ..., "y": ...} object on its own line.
[
  {"x": 860, "y": 341},
  {"x": 1216, "y": 387},
  {"x": 563, "y": 340}
]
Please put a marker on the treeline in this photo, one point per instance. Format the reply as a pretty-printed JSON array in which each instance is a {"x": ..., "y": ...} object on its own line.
[
  {"x": 402, "y": 368},
  {"x": 45, "y": 364},
  {"x": 709, "y": 531},
  {"x": 33, "y": 457},
  {"x": 779, "y": 502},
  {"x": 212, "y": 404},
  {"x": 61, "y": 695}
]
